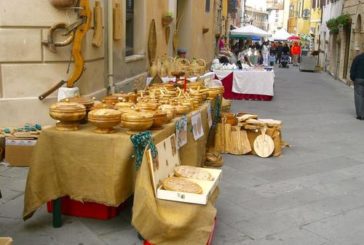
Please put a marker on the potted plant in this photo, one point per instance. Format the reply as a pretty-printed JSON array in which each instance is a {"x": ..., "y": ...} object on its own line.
[
  {"x": 167, "y": 19},
  {"x": 332, "y": 25},
  {"x": 343, "y": 20}
]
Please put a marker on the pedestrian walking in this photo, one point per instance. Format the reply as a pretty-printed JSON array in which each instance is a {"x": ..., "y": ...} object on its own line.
[
  {"x": 357, "y": 76},
  {"x": 265, "y": 53},
  {"x": 296, "y": 52},
  {"x": 221, "y": 43},
  {"x": 279, "y": 52}
]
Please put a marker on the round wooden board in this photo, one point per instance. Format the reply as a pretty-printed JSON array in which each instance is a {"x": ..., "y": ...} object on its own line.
[{"x": 264, "y": 145}]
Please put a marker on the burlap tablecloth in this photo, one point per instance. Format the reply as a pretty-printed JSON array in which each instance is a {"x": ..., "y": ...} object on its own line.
[
  {"x": 167, "y": 222},
  {"x": 92, "y": 167}
]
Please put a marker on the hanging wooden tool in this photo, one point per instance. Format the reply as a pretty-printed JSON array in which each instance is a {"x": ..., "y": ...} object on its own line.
[
  {"x": 117, "y": 20},
  {"x": 98, "y": 25},
  {"x": 176, "y": 34},
  {"x": 80, "y": 29},
  {"x": 51, "y": 43},
  {"x": 152, "y": 43}
]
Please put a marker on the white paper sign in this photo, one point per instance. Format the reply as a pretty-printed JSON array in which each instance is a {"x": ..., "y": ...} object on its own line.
[
  {"x": 209, "y": 117},
  {"x": 196, "y": 122},
  {"x": 181, "y": 131}
]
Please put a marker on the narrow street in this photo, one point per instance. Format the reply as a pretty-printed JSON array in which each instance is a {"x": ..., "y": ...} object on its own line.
[{"x": 311, "y": 195}]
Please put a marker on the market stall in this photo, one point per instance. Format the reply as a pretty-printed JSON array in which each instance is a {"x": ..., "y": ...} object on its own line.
[
  {"x": 94, "y": 167},
  {"x": 247, "y": 84}
]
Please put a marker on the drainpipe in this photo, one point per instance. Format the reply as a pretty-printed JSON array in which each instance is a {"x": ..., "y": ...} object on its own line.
[{"x": 110, "y": 55}]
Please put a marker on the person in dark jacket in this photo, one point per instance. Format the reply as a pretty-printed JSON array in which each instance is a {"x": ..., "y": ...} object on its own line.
[{"x": 357, "y": 76}]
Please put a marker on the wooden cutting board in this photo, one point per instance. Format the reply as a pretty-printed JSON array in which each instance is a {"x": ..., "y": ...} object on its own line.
[{"x": 263, "y": 144}]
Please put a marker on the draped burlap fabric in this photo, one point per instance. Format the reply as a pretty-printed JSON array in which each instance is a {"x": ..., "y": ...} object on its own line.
[
  {"x": 167, "y": 222},
  {"x": 87, "y": 166}
]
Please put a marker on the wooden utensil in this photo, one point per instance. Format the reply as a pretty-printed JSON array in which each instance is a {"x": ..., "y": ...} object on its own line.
[
  {"x": 263, "y": 144},
  {"x": 97, "y": 37},
  {"x": 117, "y": 22},
  {"x": 152, "y": 42}
]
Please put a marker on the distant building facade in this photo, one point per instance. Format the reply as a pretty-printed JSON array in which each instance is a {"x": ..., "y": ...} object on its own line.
[{"x": 257, "y": 17}]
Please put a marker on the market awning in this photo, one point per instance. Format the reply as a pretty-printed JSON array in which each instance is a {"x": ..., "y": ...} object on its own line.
[
  {"x": 248, "y": 31},
  {"x": 281, "y": 35}
]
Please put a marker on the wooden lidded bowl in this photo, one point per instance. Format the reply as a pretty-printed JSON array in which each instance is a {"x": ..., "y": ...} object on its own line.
[
  {"x": 159, "y": 118},
  {"x": 105, "y": 120},
  {"x": 122, "y": 105},
  {"x": 137, "y": 121},
  {"x": 170, "y": 110},
  {"x": 147, "y": 106},
  {"x": 87, "y": 102},
  {"x": 68, "y": 113},
  {"x": 182, "y": 109}
]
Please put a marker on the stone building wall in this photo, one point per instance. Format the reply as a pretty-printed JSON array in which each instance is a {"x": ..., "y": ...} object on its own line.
[
  {"x": 27, "y": 68},
  {"x": 355, "y": 8}
]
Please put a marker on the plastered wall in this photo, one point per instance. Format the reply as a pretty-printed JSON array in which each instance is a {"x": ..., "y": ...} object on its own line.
[{"x": 27, "y": 68}]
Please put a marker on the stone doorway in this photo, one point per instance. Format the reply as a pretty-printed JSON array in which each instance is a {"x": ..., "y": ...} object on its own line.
[
  {"x": 358, "y": 41},
  {"x": 347, "y": 34}
]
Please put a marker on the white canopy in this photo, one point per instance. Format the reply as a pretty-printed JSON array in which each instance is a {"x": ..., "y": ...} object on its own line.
[
  {"x": 281, "y": 35},
  {"x": 249, "y": 31}
]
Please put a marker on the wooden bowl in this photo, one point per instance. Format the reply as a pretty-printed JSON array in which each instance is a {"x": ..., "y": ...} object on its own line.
[
  {"x": 87, "y": 102},
  {"x": 182, "y": 109},
  {"x": 122, "y": 105},
  {"x": 68, "y": 113},
  {"x": 170, "y": 110},
  {"x": 150, "y": 106},
  {"x": 159, "y": 118},
  {"x": 137, "y": 121},
  {"x": 105, "y": 120},
  {"x": 111, "y": 100}
]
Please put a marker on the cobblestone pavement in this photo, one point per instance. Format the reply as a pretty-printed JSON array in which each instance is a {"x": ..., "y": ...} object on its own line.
[{"x": 311, "y": 195}]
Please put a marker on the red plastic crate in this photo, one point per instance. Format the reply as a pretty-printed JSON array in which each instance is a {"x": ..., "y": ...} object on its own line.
[
  {"x": 86, "y": 209},
  {"x": 209, "y": 241}
]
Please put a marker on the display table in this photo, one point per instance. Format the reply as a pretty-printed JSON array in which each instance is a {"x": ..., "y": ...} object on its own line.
[
  {"x": 247, "y": 85},
  {"x": 99, "y": 168}
]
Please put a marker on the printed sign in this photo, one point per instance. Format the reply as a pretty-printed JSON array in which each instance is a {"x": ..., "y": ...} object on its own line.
[
  {"x": 181, "y": 131},
  {"x": 197, "y": 128}
]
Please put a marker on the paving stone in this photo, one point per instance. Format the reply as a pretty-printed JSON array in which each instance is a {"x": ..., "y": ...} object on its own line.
[
  {"x": 262, "y": 225},
  {"x": 342, "y": 227},
  {"x": 283, "y": 201},
  {"x": 290, "y": 237},
  {"x": 230, "y": 213},
  {"x": 226, "y": 234}
]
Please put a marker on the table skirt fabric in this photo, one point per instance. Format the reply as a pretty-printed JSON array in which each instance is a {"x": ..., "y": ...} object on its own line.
[{"x": 247, "y": 85}]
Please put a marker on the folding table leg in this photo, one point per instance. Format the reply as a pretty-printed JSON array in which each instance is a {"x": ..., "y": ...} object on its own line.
[{"x": 57, "y": 213}]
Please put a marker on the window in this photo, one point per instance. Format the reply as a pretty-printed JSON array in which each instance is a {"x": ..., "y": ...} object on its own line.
[
  {"x": 207, "y": 6},
  {"x": 129, "y": 28}
]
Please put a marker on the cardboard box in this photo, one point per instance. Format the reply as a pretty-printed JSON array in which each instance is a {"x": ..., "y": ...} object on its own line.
[
  {"x": 18, "y": 152},
  {"x": 6, "y": 241},
  {"x": 163, "y": 166}
]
